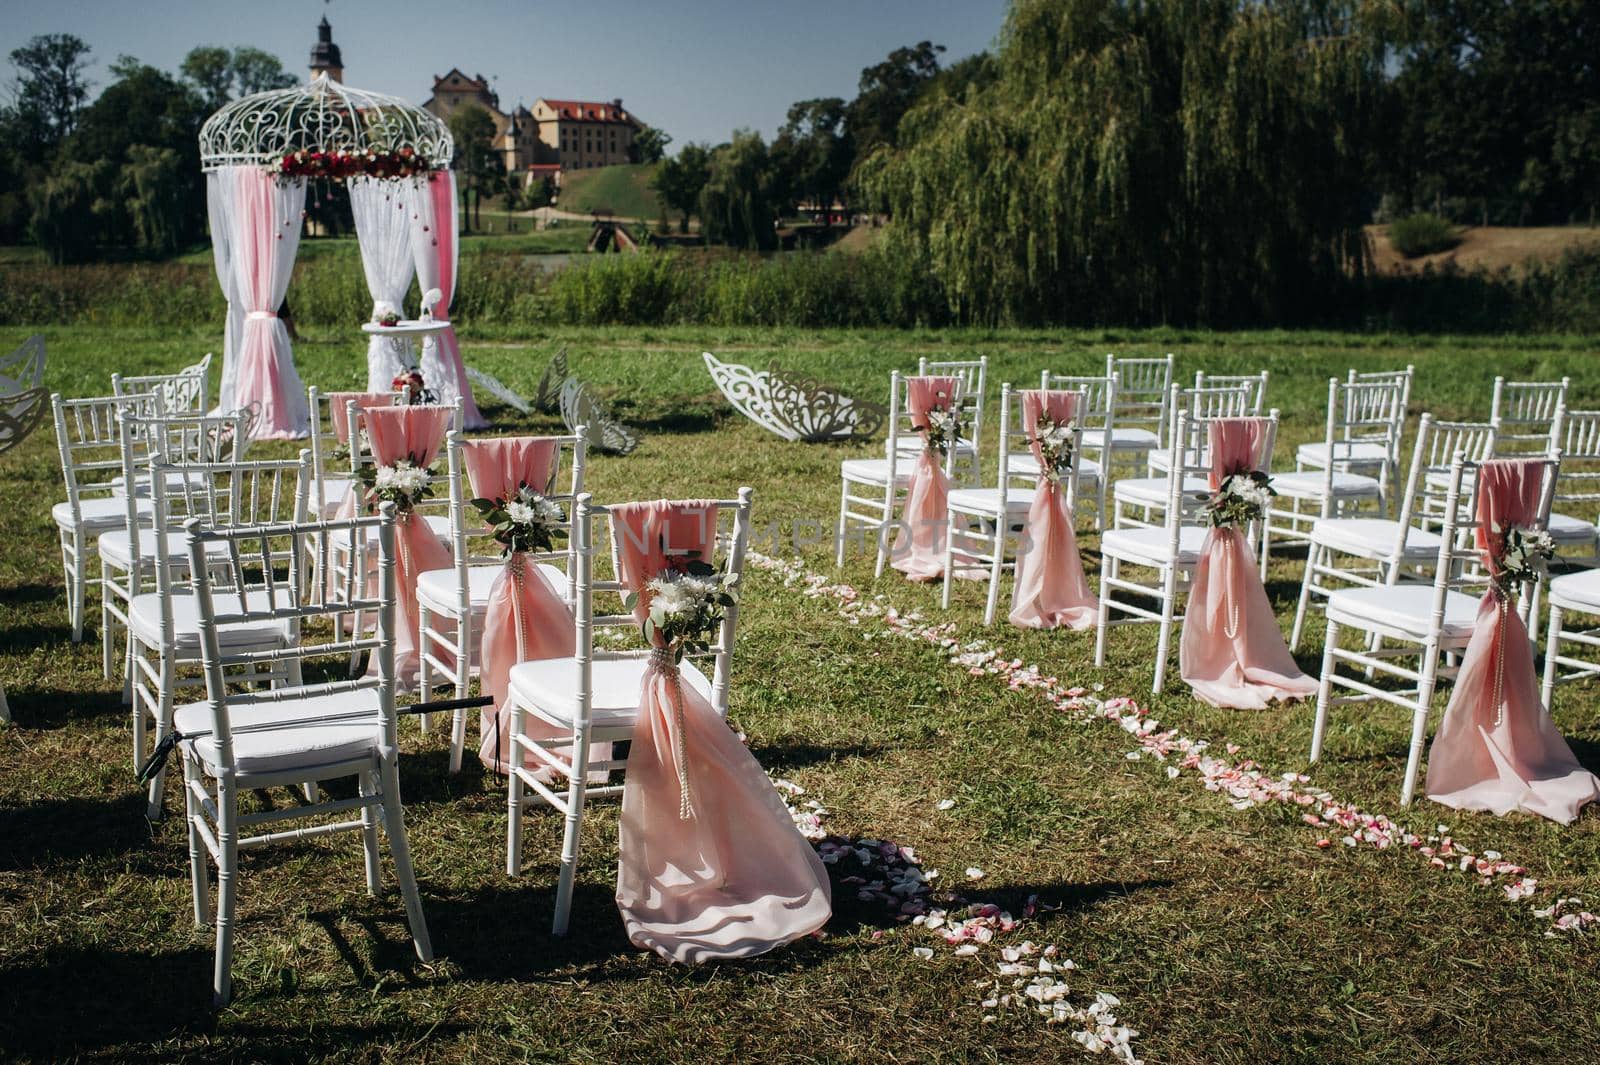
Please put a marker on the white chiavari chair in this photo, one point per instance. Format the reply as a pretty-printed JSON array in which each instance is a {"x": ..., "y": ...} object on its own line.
[
  {"x": 974, "y": 377},
  {"x": 1576, "y": 433},
  {"x": 332, "y": 466},
  {"x": 235, "y": 742},
  {"x": 451, "y": 602},
  {"x": 186, "y": 392},
  {"x": 980, "y": 521},
  {"x": 1366, "y": 447},
  {"x": 593, "y": 696},
  {"x": 1144, "y": 388},
  {"x": 1524, "y": 414},
  {"x": 1149, "y": 493},
  {"x": 1363, "y": 419},
  {"x": 870, "y": 490},
  {"x": 1097, "y": 418},
  {"x": 1379, "y": 551},
  {"x": 89, "y": 444},
  {"x": 164, "y": 623},
  {"x": 1403, "y": 622}
]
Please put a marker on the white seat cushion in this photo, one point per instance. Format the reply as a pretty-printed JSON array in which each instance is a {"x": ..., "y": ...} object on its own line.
[
  {"x": 1577, "y": 591},
  {"x": 1308, "y": 485},
  {"x": 875, "y": 471},
  {"x": 1150, "y": 545},
  {"x": 986, "y": 500},
  {"x": 550, "y": 686},
  {"x": 1153, "y": 491},
  {"x": 436, "y": 589},
  {"x": 1373, "y": 537},
  {"x": 1406, "y": 608},
  {"x": 1160, "y": 460},
  {"x": 315, "y": 729},
  {"x": 115, "y": 549},
  {"x": 1358, "y": 453},
  {"x": 144, "y": 618},
  {"x": 1567, "y": 529},
  {"x": 99, "y": 515},
  {"x": 1023, "y": 464},
  {"x": 1122, "y": 439},
  {"x": 334, "y": 489}
]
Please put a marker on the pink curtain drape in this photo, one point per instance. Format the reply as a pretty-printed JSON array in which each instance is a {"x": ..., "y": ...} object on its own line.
[
  {"x": 525, "y": 618},
  {"x": 1504, "y": 753},
  {"x": 1051, "y": 588},
  {"x": 434, "y": 235},
  {"x": 1232, "y": 652},
  {"x": 416, "y": 433},
  {"x": 263, "y": 232},
  {"x": 918, "y": 550},
  {"x": 711, "y": 865}
]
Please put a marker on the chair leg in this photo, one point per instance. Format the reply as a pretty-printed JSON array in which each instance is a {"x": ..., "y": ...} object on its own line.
[
  {"x": 154, "y": 804},
  {"x": 513, "y": 757},
  {"x": 75, "y": 582},
  {"x": 199, "y": 883},
  {"x": 1104, "y": 612},
  {"x": 1169, "y": 595},
  {"x": 369, "y": 833},
  {"x": 1312, "y": 554},
  {"x": 227, "y": 890},
  {"x": 576, "y": 786},
  {"x": 1552, "y": 647},
  {"x": 106, "y": 638},
  {"x": 394, "y": 825},
  {"x": 844, "y": 502},
  {"x": 886, "y": 529},
  {"x": 458, "y": 739},
  {"x": 1419, "y": 722},
  {"x": 949, "y": 559},
  {"x": 995, "y": 568},
  {"x": 1324, "y": 689}
]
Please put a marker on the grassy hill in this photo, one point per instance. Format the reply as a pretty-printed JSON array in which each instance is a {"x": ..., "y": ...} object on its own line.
[{"x": 623, "y": 190}]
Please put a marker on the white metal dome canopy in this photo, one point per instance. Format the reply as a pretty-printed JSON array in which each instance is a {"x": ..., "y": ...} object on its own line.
[{"x": 320, "y": 116}]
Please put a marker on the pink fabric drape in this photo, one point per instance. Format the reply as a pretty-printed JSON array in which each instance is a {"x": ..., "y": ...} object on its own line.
[
  {"x": 256, "y": 245},
  {"x": 918, "y": 550},
  {"x": 716, "y": 868},
  {"x": 1498, "y": 750},
  {"x": 1051, "y": 588},
  {"x": 437, "y": 261},
  {"x": 337, "y": 401},
  {"x": 416, "y": 433},
  {"x": 1232, "y": 652},
  {"x": 525, "y": 618}
]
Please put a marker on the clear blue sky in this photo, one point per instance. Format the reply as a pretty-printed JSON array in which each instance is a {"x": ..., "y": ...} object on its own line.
[{"x": 696, "y": 68}]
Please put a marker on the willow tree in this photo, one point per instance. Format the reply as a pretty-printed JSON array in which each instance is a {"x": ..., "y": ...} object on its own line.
[{"x": 1164, "y": 160}]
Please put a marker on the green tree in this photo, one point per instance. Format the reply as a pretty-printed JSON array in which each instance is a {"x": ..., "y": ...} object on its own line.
[
  {"x": 257, "y": 71},
  {"x": 737, "y": 205},
  {"x": 886, "y": 92},
  {"x": 51, "y": 86},
  {"x": 1155, "y": 161},
  {"x": 153, "y": 189},
  {"x": 207, "y": 69},
  {"x": 814, "y": 152},
  {"x": 473, "y": 130},
  {"x": 679, "y": 181},
  {"x": 649, "y": 145},
  {"x": 67, "y": 206}
]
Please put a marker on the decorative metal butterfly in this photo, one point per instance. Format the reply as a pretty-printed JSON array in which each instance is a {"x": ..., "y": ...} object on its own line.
[
  {"x": 24, "y": 368},
  {"x": 580, "y": 407},
  {"x": 548, "y": 398},
  {"x": 497, "y": 388}
]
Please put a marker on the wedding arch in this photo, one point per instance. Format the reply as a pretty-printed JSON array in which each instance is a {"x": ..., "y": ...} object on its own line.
[{"x": 258, "y": 154}]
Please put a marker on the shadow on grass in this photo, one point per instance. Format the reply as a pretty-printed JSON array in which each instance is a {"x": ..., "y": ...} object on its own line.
[
  {"x": 63, "y": 832},
  {"x": 795, "y": 754},
  {"x": 55, "y": 708},
  {"x": 65, "y": 1001},
  {"x": 851, "y": 914},
  {"x": 1587, "y": 752},
  {"x": 36, "y": 592}
]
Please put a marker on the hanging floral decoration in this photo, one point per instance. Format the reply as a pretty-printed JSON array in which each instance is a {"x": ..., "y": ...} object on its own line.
[{"x": 337, "y": 166}]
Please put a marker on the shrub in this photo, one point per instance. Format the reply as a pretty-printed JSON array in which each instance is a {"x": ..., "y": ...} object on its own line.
[{"x": 1421, "y": 234}]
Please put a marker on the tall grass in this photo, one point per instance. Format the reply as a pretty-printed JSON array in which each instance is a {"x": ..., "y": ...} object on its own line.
[{"x": 813, "y": 290}]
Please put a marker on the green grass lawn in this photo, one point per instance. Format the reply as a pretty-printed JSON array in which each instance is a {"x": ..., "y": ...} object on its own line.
[
  {"x": 1227, "y": 934},
  {"x": 623, "y": 190}
]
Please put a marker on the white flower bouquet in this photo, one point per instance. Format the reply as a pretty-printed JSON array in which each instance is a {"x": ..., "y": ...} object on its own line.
[
  {"x": 686, "y": 607},
  {"x": 405, "y": 484},
  {"x": 1055, "y": 447},
  {"x": 526, "y": 520},
  {"x": 1525, "y": 559},
  {"x": 1242, "y": 498},
  {"x": 944, "y": 428}
]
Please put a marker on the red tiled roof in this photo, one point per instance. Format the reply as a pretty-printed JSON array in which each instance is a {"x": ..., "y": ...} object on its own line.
[{"x": 588, "y": 111}]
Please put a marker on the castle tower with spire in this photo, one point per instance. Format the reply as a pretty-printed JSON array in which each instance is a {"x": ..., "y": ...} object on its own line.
[{"x": 325, "y": 58}]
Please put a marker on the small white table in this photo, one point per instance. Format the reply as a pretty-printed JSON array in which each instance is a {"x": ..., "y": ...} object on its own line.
[{"x": 399, "y": 337}]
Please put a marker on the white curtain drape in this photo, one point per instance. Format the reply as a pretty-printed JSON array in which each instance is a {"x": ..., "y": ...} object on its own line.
[
  {"x": 223, "y": 261},
  {"x": 261, "y": 216},
  {"x": 382, "y": 210},
  {"x": 434, "y": 231}
]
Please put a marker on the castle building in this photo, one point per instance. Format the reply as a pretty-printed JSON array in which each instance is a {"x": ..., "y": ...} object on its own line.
[{"x": 580, "y": 134}]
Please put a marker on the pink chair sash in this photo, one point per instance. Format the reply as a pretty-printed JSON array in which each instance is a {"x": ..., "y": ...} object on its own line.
[
  {"x": 918, "y": 550},
  {"x": 1051, "y": 588},
  {"x": 1498, "y": 750},
  {"x": 711, "y": 865},
  {"x": 525, "y": 618},
  {"x": 1232, "y": 652},
  {"x": 337, "y": 401},
  {"x": 416, "y": 433}
]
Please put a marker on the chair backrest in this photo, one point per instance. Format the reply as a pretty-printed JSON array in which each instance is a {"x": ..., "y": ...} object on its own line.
[
  {"x": 1098, "y": 409},
  {"x": 1015, "y": 439},
  {"x": 467, "y": 530},
  {"x": 974, "y": 377},
  {"x": 89, "y": 440},
  {"x": 1576, "y": 433},
  {"x": 590, "y": 527},
  {"x": 185, "y": 440},
  {"x": 1426, "y": 502},
  {"x": 1525, "y": 414},
  {"x": 1191, "y": 460},
  {"x": 1255, "y": 385},
  {"x": 360, "y": 457},
  {"x": 253, "y": 553},
  {"x": 1459, "y": 564},
  {"x": 329, "y": 410},
  {"x": 1403, "y": 378},
  {"x": 905, "y": 439},
  {"x": 186, "y": 392},
  {"x": 1216, "y": 401},
  {"x": 23, "y": 369},
  {"x": 1143, "y": 390}
]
